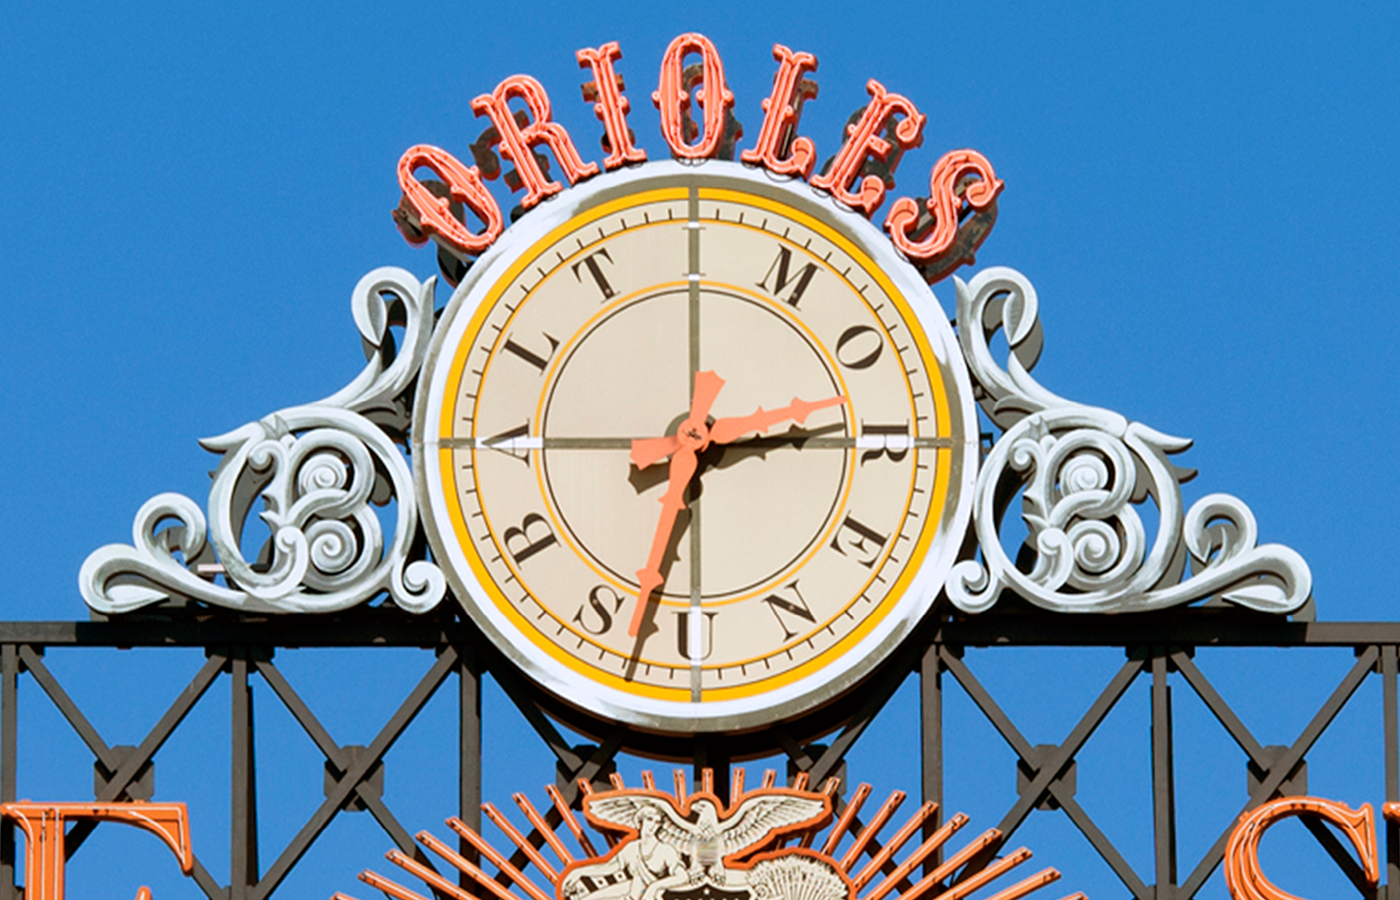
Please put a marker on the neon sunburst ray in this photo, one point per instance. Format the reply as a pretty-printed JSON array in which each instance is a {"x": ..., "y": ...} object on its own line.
[{"x": 756, "y": 844}]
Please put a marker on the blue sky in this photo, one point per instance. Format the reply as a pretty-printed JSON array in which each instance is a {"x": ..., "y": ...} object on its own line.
[{"x": 1204, "y": 195}]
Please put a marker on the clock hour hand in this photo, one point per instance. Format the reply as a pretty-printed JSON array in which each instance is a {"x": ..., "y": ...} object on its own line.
[
  {"x": 690, "y": 438},
  {"x": 724, "y": 431},
  {"x": 706, "y": 389},
  {"x": 648, "y": 451}
]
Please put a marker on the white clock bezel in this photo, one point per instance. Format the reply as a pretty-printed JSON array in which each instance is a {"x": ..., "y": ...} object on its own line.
[{"x": 736, "y": 714}]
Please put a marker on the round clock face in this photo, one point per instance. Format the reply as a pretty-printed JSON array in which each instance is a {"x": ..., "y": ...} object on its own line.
[{"x": 695, "y": 446}]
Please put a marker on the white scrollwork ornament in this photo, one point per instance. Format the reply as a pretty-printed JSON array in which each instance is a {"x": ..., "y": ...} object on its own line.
[
  {"x": 320, "y": 471},
  {"x": 1083, "y": 474}
]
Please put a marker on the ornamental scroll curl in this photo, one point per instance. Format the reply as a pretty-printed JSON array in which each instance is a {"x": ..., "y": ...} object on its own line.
[
  {"x": 1084, "y": 475},
  {"x": 319, "y": 471}
]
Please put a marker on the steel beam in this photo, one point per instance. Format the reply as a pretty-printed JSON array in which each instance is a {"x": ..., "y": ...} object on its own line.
[
  {"x": 1284, "y": 766},
  {"x": 1023, "y": 748},
  {"x": 931, "y": 729},
  {"x": 356, "y": 772},
  {"x": 1196, "y": 627},
  {"x": 1199, "y": 627},
  {"x": 1163, "y": 784},
  {"x": 368, "y": 629},
  {"x": 243, "y": 803},
  {"x": 468, "y": 749},
  {"x": 9, "y": 757},
  {"x": 1391, "y": 717}
]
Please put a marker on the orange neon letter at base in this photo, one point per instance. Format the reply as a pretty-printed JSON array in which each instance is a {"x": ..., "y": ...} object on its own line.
[
  {"x": 672, "y": 99},
  {"x": 1243, "y": 876},
  {"x": 434, "y": 213},
  {"x": 781, "y": 113},
  {"x": 944, "y": 204},
  {"x": 610, "y": 106},
  {"x": 863, "y": 140},
  {"x": 44, "y": 823},
  {"x": 516, "y": 141}
]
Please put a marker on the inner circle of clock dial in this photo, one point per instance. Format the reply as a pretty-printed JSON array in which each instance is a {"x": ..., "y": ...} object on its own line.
[{"x": 761, "y": 504}]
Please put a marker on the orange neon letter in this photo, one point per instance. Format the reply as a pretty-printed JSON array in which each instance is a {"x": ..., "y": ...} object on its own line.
[
  {"x": 1243, "y": 876},
  {"x": 672, "y": 99},
  {"x": 516, "y": 141},
  {"x": 43, "y": 825},
  {"x": 944, "y": 205},
  {"x": 434, "y": 214},
  {"x": 781, "y": 113},
  {"x": 610, "y": 106},
  {"x": 862, "y": 140}
]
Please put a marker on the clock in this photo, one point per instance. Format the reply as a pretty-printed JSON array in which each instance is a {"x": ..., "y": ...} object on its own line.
[{"x": 695, "y": 447}]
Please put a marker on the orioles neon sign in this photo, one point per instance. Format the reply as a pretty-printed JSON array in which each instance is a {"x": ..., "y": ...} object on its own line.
[{"x": 938, "y": 233}]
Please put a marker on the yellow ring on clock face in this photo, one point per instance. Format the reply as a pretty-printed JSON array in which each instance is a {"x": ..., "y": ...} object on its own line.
[{"x": 804, "y": 547}]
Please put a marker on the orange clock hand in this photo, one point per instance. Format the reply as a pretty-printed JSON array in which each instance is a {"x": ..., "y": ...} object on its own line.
[
  {"x": 690, "y": 438},
  {"x": 649, "y": 451},
  {"x": 707, "y": 385},
  {"x": 726, "y": 430},
  {"x": 683, "y": 465}
]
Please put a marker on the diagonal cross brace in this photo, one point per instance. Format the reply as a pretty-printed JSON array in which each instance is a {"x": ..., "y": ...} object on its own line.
[
  {"x": 577, "y": 767},
  {"x": 1365, "y": 664},
  {"x": 519, "y": 696},
  {"x": 1076, "y": 739},
  {"x": 1255, "y": 751},
  {"x": 356, "y": 773},
  {"x": 124, "y": 774},
  {"x": 1023, "y": 749},
  {"x": 900, "y": 667},
  {"x": 1219, "y": 708},
  {"x": 34, "y": 663},
  {"x": 337, "y": 757},
  {"x": 587, "y": 771}
]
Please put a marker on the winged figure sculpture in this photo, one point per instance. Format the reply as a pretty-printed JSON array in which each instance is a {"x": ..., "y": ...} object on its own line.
[{"x": 672, "y": 849}]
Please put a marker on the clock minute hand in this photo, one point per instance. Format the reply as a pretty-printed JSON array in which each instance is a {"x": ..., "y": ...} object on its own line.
[
  {"x": 683, "y": 466},
  {"x": 690, "y": 438},
  {"x": 727, "y": 430}
]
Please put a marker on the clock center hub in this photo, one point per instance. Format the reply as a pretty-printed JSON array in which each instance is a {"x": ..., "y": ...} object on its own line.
[{"x": 694, "y": 436}]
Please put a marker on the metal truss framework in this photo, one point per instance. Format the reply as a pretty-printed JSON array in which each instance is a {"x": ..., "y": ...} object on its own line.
[{"x": 1156, "y": 646}]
